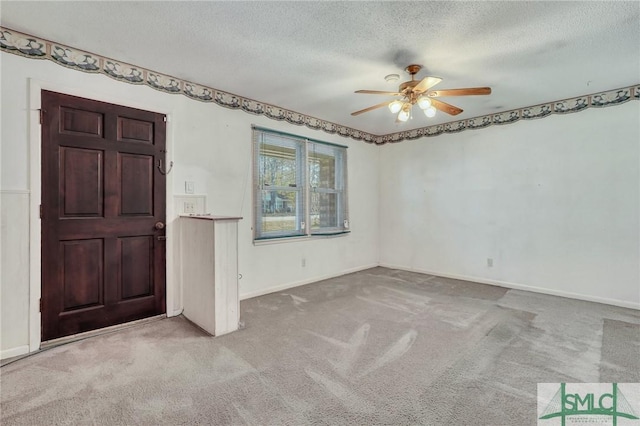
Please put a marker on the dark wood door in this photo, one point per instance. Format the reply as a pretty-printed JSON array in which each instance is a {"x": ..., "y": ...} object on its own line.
[{"x": 103, "y": 257}]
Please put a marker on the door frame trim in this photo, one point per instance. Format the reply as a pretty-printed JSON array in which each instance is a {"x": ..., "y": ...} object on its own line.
[{"x": 172, "y": 292}]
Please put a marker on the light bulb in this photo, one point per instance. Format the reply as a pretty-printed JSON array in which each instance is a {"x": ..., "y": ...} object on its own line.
[
  {"x": 395, "y": 106},
  {"x": 430, "y": 112},
  {"x": 403, "y": 116},
  {"x": 424, "y": 102},
  {"x": 405, "y": 113}
]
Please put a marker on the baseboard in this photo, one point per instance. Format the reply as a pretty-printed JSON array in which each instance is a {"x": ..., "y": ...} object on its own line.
[
  {"x": 517, "y": 286},
  {"x": 303, "y": 282},
  {"x": 174, "y": 313},
  {"x": 17, "y": 351}
]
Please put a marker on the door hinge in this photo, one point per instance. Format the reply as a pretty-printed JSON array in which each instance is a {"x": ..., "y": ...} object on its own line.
[
  {"x": 40, "y": 305},
  {"x": 166, "y": 119},
  {"x": 40, "y": 211},
  {"x": 41, "y": 115}
]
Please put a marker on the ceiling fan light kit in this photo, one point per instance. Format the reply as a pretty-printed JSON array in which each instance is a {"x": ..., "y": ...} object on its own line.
[
  {"x": 424, "y": 102},
  {"x": 395, "y": 106},
  {"x": 430, "y": 112},
  {"x": 405, "y": 112},
  {"x": 414, "y": 92}
]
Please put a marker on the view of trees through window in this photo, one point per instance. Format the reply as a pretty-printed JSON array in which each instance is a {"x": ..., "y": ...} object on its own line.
[
  {"x": 322, "y": 180},
  {"x": 280, "y": 183},
  {"x": 300, "y": 186}
]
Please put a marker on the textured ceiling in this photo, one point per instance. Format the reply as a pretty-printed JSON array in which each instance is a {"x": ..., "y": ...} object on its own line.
[{"x": 311, "y": 56}]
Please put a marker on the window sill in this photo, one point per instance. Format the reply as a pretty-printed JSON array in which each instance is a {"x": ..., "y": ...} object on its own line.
[{"x": 282, "y": 240}]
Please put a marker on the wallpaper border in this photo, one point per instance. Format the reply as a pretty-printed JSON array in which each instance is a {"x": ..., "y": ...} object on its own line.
[{"x": 37, "y": 48}]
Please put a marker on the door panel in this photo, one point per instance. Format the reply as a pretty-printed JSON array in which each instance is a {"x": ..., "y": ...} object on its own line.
[
  {"x": 136, "y": 266},
  {"x": 82, "y": 273},
  {"x": 130, "y": 130},
  {"x": 136, "y": 174},
  {"x": 81, "y": 182},
  {"x": 79, "y": 122},
  {"x": 103, "y": 262}
]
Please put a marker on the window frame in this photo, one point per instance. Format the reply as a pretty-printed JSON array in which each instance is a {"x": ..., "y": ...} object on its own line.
[
  {"x": 339, "y": 188},
  {"x": 304, "y": 228}
]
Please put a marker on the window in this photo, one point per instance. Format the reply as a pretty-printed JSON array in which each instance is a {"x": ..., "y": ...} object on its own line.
[{"x": 300, "y": 186}]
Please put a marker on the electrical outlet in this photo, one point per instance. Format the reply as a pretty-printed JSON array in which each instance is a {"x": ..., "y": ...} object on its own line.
[
  {"x": 489, "y": 262},
  {"x": 190, "y": 204},
  {"x": 189, "y": 207}
]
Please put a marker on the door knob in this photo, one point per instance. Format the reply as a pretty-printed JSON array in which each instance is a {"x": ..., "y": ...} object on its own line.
[{"x": 159, "y": 225}]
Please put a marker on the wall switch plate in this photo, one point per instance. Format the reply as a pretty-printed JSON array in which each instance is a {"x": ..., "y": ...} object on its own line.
[{"x": 189, "y": 187}]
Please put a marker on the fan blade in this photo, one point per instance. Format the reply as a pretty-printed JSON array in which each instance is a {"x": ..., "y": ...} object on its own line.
[
  {"x": 461, "y": 92},
  {"x": 445, "y": 107},
  {"x": 426, "y": 84},
  {"x": 377, "y": 92},
  {"x": 371, "y": 108}
]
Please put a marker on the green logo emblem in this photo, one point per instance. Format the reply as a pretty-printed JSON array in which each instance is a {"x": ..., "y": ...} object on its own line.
[{"x": 586, "y": 400}]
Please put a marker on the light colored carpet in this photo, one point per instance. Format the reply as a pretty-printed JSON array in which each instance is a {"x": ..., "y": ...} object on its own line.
[{"x": 375, "y": 347}]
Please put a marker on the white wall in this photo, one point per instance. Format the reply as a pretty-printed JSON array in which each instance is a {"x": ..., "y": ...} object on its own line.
[
  {"x": 211, "y": 146},
  {"x": 14, "y": 293},
  {"x": 554, "y": 203}
]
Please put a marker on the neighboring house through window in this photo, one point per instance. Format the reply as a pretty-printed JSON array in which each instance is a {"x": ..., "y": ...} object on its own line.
[{"x": 300, "y": 186}]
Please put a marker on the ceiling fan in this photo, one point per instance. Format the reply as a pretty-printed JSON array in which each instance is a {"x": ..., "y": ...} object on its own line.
[{"x": 417, "y": 92}]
